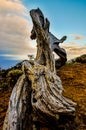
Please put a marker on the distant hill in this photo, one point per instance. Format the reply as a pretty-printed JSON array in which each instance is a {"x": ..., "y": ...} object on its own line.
[
  {"x": 80, "y": 59},
  {"x": 73, "y": 76}
]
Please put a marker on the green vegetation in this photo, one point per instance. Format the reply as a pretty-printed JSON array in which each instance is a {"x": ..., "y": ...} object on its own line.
[
  {"x": 81, "y": 59},
  {"x": 9, "y": 77},
  {"x": 12, "y": 76}
]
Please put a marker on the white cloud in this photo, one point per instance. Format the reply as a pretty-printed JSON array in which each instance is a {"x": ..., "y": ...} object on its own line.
[
  {"x": 77, "y": 36},
  {"x": 74, "y": 50},
  {"x": 15, "y": 56},
  {"x": 12, "y": 7},
  {"x": 15, "y": 33},
  {"x": 14, "y": 30}
]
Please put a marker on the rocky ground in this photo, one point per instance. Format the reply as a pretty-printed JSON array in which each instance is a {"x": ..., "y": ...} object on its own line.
[{"x": 73, "y": 76}]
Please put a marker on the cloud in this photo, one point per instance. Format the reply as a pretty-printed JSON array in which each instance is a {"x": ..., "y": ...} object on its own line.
[
  {"x": 77, "y": 36},
  {"x": 14, "y": 56},
  {"x": 15, "y": 30},
  {"x": 74, "y": 50},
  {"x": 12, "y": 7}
]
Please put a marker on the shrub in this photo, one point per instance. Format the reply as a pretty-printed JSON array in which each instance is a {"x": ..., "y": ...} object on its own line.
[
  {"x": 12, "y": 76},
  {"x": 81, "y": 59}
]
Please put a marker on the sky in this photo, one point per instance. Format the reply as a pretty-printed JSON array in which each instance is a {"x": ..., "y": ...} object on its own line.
[{"x": 67, "y": 17}]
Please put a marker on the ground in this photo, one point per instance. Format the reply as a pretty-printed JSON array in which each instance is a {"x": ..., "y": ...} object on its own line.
[{"x": 73, "y": 76}]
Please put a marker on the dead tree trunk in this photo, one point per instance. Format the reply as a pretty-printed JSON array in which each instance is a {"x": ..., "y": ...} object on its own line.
[
  {"x": 37, "y": 99},
  {"x": 18, "y": 116},
  {"x": 44, "y": 54}
]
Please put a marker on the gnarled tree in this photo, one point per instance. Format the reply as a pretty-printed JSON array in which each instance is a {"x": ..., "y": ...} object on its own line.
[{"x": 37, "y": 96}]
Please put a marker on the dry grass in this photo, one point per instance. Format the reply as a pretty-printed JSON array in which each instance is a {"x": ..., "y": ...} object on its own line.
[
  {"x": 4, "y": 99},
  {"x": 73, "y": 78}
]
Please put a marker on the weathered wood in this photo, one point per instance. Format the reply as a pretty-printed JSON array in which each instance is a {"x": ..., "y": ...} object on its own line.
[
  {"x": 44, "y": 54},
  {"x": 41, "y": 33},
  {"x": 37, "y": 96},
  {"x": 47, "y": 98},
  {"x": 18, "y": 116}
]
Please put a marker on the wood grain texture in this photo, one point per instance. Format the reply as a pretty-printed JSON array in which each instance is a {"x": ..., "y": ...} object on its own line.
[{"x": 37, "y": 96}]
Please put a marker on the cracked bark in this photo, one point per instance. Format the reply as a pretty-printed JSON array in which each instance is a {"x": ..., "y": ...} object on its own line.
[{"x": 36, "y": 100}]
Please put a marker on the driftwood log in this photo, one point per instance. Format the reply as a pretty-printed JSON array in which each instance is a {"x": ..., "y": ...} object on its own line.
[{"x": 37, "y": 96}]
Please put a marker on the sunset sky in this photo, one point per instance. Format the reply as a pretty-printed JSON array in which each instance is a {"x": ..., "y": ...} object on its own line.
[{"x": 67, "y": 17}]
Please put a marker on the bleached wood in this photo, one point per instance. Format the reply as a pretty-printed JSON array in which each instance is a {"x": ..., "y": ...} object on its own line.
[{"x": 37, "y": 95}]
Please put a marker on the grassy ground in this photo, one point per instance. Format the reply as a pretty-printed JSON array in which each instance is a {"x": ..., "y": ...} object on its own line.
[
  {"x": 4, "y": 99},
  {"x": 73, "y": 78}
]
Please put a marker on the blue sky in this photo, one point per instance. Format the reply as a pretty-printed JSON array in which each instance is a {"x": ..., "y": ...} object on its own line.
[{"x": 67, "y": 17}]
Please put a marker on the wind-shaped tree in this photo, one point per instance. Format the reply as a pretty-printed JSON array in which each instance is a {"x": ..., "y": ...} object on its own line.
[{"x": 37, "y": 99}]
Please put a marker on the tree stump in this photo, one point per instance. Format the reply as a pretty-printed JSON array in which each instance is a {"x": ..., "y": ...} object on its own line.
[{"x": 36, "y": 101}]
